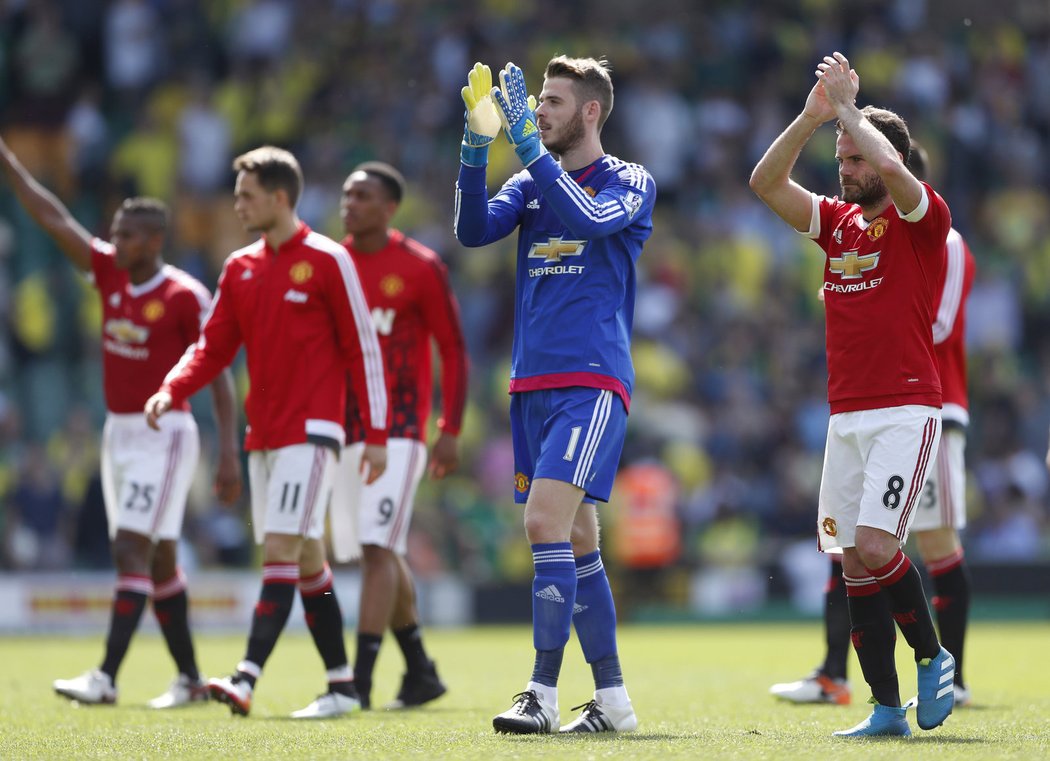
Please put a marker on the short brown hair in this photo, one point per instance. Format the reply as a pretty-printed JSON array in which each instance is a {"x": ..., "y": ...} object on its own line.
[
  {"x": 591, "y": 80},
  {"x": 276, "y": 169},
  {"x": 889, "y": 124}
]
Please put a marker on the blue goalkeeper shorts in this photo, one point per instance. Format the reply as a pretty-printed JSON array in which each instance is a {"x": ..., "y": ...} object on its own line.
[{"x": 572, "y": 434}]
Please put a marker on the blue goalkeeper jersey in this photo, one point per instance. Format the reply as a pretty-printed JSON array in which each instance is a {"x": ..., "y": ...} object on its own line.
[{"x": 580, "y": 235}]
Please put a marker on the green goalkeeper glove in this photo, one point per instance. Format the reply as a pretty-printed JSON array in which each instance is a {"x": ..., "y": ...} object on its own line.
[
  {"x": 517, "y": 110},
  {"x": 482, "y": 121}
]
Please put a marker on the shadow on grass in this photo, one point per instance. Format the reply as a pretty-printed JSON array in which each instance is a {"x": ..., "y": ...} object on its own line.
[
  {"x": 629, "y": 737},
  {"x": 949, "y": 739}
]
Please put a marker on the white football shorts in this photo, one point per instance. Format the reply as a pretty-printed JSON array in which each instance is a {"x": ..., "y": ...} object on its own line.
[
  {"x": 146, "y": 474},
  {"x": 943, "y": 501},
  {"x": 290, "y": 489},
  {"x": 875, "y": 467},
  {"x": 377, "y": 514}
]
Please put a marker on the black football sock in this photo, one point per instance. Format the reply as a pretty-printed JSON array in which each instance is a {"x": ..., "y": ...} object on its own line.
[
  {"x": 410, "y": 639},
  {"x": 874, "y": 638},
  {"x": 271, "y": 614},
  {"x": 171, "y": 607},
  {"x": 365, "y": 661},
  {"x": 951, "y": 584},
  {"x": 129, "y": 600},
  {"x": 325, "y": 621},
  {"x": 901, "y": 581},
  {"x": 836, "y": 624}
]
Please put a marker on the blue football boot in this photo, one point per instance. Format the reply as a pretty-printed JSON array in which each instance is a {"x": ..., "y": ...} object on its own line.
[
  {"x": 885, "y": 721},
  {"x": 936, "y": 689}
]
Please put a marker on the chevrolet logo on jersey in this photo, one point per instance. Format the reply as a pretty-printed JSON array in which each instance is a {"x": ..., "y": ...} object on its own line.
[
  {"x": 126, "y": 331},
  {"x": 850, "y": 266},
  {"x": 555, "y": 248}
]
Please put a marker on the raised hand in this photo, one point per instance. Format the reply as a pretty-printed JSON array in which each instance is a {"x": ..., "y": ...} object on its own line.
[
  {"x": 517, "y": 109},
  {"x": 482, "y": 121},
  {"x": 840, "y": 82}
]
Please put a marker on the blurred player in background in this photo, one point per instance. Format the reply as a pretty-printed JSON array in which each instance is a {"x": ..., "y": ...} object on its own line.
[
  {"x": 885, "y": 244},
  {"x": 407, "y": 288},
  {"x": 941, "y": 512},
  {"x": 151, "y": 313},
  {"x": 293, "y": 300},
  {"x": 582, "y": 220}
]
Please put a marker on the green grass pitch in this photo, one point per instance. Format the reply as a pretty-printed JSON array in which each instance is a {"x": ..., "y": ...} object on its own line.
[{"x": 699, "y": 691}]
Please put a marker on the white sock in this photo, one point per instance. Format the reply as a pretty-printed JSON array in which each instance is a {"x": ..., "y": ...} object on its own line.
[
  {"x": 612, "y": 696},
  {"x": 548, "y": 695}
]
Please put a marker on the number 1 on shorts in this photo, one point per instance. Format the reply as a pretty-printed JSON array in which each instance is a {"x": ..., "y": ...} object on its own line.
[{"x": 570, "y": 451}]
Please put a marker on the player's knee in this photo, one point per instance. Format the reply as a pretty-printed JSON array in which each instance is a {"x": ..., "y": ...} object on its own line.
[
  {"x": 373, "y": 554},
  {"x": 282, "y": 548},
  {"x": 876, "y": 549},
  {"x": 937, "y": 544},
  {"x": 541, "y": 528},
  {"x": 584, "y": 540},
  {"x": 165, "y": 560},
  {"x": 131, "y": 554}
]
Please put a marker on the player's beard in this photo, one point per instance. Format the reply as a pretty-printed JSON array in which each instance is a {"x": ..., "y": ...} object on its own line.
[
  {"x": 571, "y": 135},
  {"x": 867, "y": 192}
]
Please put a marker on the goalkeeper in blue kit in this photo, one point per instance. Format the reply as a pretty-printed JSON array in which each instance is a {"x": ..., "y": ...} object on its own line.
[{"x": 582, "y": 220}]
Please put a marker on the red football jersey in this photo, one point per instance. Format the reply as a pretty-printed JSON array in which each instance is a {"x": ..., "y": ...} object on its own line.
[
  {"x": 303, "y": 320},
  {"x": 407, "y": 288},
  {"x": 880, "y": 287},
  {"x": 145, "y": 328},
  {"x": 949, "y": 329}
]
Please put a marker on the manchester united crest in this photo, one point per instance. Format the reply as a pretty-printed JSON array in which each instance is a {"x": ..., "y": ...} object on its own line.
[
  {"x": 830, "y": 528},
  {"x": 521, "y": 482},
  {"x": 301, "y": 272},
  {"x": 877, "y": 228},
  {"x": 153, "y": 310},
  {"x": 391, "y": 285}
]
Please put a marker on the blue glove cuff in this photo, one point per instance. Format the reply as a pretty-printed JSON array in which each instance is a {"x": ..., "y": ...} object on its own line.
[
  {"x": 529, "y": 151},
  {"x": 474, "y": 155}
]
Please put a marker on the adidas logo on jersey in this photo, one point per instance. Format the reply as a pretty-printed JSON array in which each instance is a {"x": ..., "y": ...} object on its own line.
[
  {"x": 551, "y": 594},
  {"x": 533, "y": 204},
  {"x": 577, "y": 608}
]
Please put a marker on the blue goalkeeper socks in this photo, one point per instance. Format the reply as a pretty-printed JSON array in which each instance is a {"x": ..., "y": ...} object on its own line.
[
  {"x": 594, "y": 616},
  {"x": 553, "y": 594}
]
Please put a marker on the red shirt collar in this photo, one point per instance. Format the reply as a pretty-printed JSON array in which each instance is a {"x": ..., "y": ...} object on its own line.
[
  {"x": 393, "y": 238},
  {"x": 300, "y": 234}
]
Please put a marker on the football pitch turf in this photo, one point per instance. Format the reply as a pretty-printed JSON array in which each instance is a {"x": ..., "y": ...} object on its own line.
[{"x": 699, "y": 692}]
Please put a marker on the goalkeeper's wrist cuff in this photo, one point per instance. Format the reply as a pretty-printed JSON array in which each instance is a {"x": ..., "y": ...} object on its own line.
[
  {"x": 474, "y": 155},
  {"x": 529, "y": 151}
]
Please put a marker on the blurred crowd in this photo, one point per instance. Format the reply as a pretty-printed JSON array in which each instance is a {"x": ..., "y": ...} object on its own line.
[{"x": 102, "y": 100}]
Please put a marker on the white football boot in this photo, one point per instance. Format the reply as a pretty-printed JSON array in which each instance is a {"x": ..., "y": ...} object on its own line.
[
  {"x": 92, "y": 687},
  {"x": 530, "y": 715},
  {"x": 234, "y": 692},
  {"x": 328, "y": 706},
  {"x": 182, "y": 692},
  {"x": 601, "y": 716}
]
